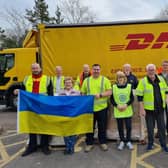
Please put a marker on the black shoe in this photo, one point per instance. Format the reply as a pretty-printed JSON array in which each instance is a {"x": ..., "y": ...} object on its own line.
[
  {"x": 165, "y": 149},
  {"x": 28, "y": 151},
  {"x": 149, "y": 147},
  {"x": 46, "y": 151}
]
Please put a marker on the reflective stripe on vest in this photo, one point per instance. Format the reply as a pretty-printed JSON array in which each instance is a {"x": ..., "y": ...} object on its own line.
[
  {"x": 148, "y": 96},
  {"x": 44, "y": 82},
  {"x": 54, "y": 83},
  {"x": 101, "y": 87},
  {"x": 98, "y": 103}
]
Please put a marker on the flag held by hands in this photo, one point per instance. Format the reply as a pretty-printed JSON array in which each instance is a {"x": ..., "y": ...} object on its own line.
[{"x": 54, "y": 115}]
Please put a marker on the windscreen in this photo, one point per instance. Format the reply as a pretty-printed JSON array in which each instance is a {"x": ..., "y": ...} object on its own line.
[{"x": 6, "y": 63}]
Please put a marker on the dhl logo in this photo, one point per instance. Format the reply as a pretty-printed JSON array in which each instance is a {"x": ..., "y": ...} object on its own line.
[{"x": 143, "y": 41}]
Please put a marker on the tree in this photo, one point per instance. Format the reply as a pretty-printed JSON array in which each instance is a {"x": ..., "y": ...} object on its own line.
[
  {"x": 58, "y": 19},
  {"x": 1, "y": 36},
  {"x": 1, "y": 30},
  {"x": 39, "y": 14},
  {"x": 75, "y": 12},
  {"x": 13, "y": 37},
  {"x": 68, "y": 11},
  {"x": 10, "y": 40},
  {"x": 6, "y": 41},
  {"x": 163, "y": 13}
]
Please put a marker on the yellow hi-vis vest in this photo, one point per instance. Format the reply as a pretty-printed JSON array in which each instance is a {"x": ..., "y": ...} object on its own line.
[
  {"x": 77, "y": 83},
  {"x": 93, "y": 86},
  {"x": 145, "y": 89},
  {"x": 122, "y": 96},
  {"x": 44, "y": 82},
  {"x": 54, "y": 83}
]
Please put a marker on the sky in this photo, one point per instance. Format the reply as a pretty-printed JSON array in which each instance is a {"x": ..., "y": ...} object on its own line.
[{"x": 105, "y": 10}]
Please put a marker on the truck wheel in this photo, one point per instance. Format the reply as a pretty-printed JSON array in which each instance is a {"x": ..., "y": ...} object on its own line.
[{"x": 13, "y": 101}]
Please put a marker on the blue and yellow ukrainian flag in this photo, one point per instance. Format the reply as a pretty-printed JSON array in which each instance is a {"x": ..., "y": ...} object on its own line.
[{"x": 54, "y": 115}]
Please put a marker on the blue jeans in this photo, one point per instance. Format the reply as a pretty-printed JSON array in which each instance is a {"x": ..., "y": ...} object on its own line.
[{"x": 70, "y": 143}]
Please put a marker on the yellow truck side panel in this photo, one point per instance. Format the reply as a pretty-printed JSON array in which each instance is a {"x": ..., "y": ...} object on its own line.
[
  {"x": 109, "y": 45},
  {"x": 30, "y": 40}
]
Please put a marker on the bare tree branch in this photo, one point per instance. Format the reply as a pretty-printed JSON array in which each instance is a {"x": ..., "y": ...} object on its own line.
[
  {"x": 17, "y": 22},
  {"x": 75, "y": 12},
  {"x": 163, "y": 13}
]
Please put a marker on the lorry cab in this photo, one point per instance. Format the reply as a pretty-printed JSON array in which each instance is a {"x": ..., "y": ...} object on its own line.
[
  {"x": 6, "y": 63},
  {"x": 14, "y": 65}
]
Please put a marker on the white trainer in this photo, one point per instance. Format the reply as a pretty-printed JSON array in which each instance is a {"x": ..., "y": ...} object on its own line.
[
  {"x": 130, "y": 146},
  {"x": 121, "y": 145},
  {"x": 88, "y": 148}
]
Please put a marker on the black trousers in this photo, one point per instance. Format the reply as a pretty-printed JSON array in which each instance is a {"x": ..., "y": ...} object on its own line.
[
  {"x": 101, "y": 118},
  {"x": 128, "y": 125},
  {"x": 151, "y": 117},
  {"x": 44, "y": 140},
  {"x": 166, "y": 111}
]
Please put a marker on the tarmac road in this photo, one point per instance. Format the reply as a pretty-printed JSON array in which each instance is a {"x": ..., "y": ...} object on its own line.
[
  {"x": 12, "y": 145},
  {"x": 7, "y": 118}
]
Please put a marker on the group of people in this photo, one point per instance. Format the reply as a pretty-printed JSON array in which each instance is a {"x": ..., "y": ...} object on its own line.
[{"x": 151, "y": 91}]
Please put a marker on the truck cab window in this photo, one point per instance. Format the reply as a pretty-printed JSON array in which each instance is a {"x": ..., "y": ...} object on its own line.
[
  {"x": 6, "y": 63},
  {"x": 9, "y": 61}
]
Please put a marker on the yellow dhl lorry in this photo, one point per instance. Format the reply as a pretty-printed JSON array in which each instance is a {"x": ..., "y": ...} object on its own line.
[{"x": 109, "y": 44}]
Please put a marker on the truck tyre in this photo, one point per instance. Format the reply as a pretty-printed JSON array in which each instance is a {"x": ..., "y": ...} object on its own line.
[{"x": 13, "y": 101}]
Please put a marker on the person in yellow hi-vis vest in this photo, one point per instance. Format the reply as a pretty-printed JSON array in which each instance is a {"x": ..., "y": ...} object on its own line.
[
  {"x": 122, "y": 99},
  {"x": 58, "y": 80},
  {"x": 152, "y": 92},
  {"x": 164, "y": 74},
  {"x": 58, "y": 85},
  {"x": 99, "y": 86},
  {"x": 39, "y": 84},
  {"x": 81, "y": 77}
]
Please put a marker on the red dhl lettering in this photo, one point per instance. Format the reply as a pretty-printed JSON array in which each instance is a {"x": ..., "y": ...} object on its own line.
[{"x": 143, "y": 41}]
